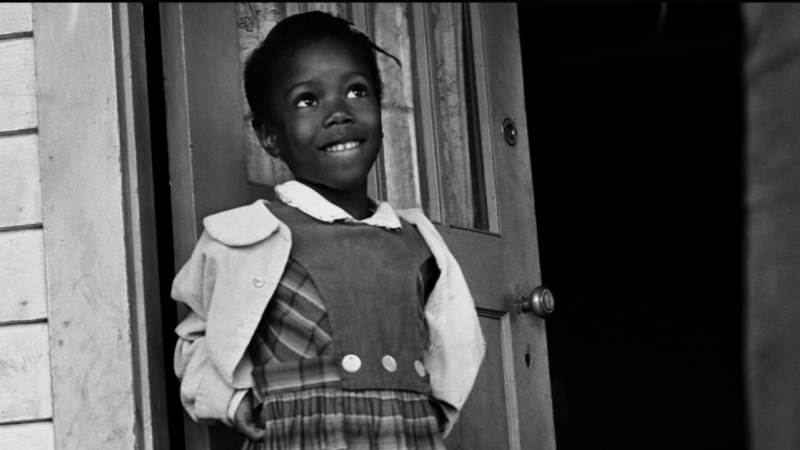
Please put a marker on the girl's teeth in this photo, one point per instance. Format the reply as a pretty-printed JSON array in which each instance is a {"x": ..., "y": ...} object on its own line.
[{"x": 340, "y": 147}]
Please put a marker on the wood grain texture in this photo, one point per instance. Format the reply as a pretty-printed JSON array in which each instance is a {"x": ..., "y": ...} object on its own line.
[
  {"x": 484, "y": 421},
  {"x": 23, "y": 293},
  {"x": 17, "y": 85},
  {"x": 481, "y": 67},
  {"x": 400, "y": 154},
  {"x": 448, "y": 33},
  {"x": 145, "y": 298},
  {"x": 519, "y": 252},
  {"x": 89, "y": 300},
  {"x": 502, "y": 268},
  {"x": 427, "y": 116},
  {"x": 336, "y": 8},
  {"x": 25, "y": 392},
  {"x": 27, "y": 436},
  {"x": 20, "y": 189},
  {"x": 15, "y": 18}
]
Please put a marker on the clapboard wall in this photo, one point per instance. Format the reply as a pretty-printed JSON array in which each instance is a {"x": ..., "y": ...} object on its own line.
[
  {"x": 81, "y": 364},
  {"x": 25, "y": 384}
]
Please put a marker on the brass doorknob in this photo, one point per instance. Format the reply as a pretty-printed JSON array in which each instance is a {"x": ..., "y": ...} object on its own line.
[{"x": 540, "y": 302}]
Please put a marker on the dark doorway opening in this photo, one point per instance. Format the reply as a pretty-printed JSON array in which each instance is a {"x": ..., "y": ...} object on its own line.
[
  {"x": 163, "y": 212},
  {"x": 635, "y": 117}
]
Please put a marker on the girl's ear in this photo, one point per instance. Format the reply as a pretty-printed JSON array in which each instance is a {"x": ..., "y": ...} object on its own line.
[{"x": 267, "y": 137}]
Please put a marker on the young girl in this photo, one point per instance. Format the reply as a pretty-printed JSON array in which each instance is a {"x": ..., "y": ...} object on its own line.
[{"x": 324, "y": 320}]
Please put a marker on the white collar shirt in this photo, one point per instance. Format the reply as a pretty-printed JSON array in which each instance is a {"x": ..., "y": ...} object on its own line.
[{"x": 307, "y": 200}]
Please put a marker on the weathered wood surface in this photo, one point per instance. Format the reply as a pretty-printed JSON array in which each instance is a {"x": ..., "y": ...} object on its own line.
[
  {"x": 24, "y": 373},
  {"x": 23, "y": 292},
  {"x": 452, "y": 104},
  {"x": 392, "y": 33},
  {"x": 519, "y": 252},
  {"x": 484, "y": 422},
  {"x": 89, "y": 295},
  {"x": 15, "y": 18},
  {"x": 151, "y": 408},
  {"x": 17, "y": 84},
  {"x": 20, "y": 189},
  {"x": 27, "y": 436}
]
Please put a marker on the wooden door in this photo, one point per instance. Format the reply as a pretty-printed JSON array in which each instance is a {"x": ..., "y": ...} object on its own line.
[{"x": 448, "y": 149}]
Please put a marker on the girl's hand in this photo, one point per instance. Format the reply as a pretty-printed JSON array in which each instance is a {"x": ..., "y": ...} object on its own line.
[{"x": 243, "y": 420}]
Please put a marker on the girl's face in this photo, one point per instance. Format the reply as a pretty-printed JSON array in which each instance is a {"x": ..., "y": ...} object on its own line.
[{"x": 325, "y": 116}]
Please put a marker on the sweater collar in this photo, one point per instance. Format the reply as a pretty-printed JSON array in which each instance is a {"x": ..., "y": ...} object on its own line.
[{"x": 307, "y": 200}]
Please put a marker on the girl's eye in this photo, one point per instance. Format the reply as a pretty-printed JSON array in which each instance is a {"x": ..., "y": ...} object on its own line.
[
  {"x": 305, "y": 102},
  {"x": 357, "y": 92}
]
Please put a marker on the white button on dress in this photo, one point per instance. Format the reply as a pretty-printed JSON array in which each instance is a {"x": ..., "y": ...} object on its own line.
[
  {"x": 351, "y": 363},
  {"x": 420, "y": 368},
  {"x": 389, "y": 363},
  {"x": 258, "y": 282}
]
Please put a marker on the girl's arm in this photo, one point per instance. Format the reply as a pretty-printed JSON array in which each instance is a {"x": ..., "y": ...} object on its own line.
[
  {"x": 457, "y": 344},
  {"x": 205, "y": 394}
]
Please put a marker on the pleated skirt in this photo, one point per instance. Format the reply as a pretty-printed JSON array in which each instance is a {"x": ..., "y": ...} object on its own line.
[{"x": 329, "y": 418}]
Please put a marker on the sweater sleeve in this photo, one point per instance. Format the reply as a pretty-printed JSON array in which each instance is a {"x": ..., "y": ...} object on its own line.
[
  {"x": 457, "y": 343},
  {"x": 205, "y": 394}
]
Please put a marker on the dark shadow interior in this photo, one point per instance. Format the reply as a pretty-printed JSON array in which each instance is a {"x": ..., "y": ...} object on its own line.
[
  {"x": 635, "y": 118},
  {"x": 163, "y": 207}
]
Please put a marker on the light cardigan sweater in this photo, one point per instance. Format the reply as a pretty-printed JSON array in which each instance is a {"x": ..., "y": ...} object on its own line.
[{"x": 234, "y": 271}]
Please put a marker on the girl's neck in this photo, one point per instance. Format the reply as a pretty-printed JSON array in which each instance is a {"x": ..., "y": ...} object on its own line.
[{"x": 352, "y": 201}]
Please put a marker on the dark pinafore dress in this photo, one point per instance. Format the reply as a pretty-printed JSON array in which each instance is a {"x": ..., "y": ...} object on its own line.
[{"x": 338, "y": 353}]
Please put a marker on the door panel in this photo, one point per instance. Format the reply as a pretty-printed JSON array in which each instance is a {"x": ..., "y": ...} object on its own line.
[
  {"x": 444, "y": 151},
  {"x": 485, "y": 421}
]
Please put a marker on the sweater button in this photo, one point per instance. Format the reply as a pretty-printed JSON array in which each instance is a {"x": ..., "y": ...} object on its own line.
[
  {"x": 419, "y": 368},
  {"x": 258, "y": 282},
  {"x": 351, "y": 363},
  {"x": 389, "y": 363}
]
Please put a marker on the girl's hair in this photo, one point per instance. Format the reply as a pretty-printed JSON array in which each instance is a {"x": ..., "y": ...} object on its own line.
[{"x": 263, "y": 66}]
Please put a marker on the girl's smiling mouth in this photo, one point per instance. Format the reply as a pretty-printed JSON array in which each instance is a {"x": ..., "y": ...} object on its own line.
[{"x": 341, "y": 146}]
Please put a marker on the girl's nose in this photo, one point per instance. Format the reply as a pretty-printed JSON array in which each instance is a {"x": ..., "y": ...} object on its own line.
[{"x": 338, "y": 115}]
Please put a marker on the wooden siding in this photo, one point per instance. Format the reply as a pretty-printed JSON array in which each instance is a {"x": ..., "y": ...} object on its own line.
[
  {"x": 95, "y": 205},
  {"x": 15, "y": 18},
  {"x": 22, "y": 289},
  {"x": 20, "y": 191},
  {"x": 25, "y": 381},
  {"x": 24, "y": 373},
  {"x": 27, "y": 436},
  {"x": 17, "y": 85},
  {"x": 76, "y": 233}
]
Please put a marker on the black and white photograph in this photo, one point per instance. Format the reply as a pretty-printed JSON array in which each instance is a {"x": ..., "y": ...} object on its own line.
[{"x": 400, "y": 226}]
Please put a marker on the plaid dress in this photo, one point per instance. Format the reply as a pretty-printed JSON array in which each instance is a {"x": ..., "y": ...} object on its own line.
[{"x": 297, "y": 382}]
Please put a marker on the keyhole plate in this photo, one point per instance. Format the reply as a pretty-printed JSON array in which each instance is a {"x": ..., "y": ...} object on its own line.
[{"x": 510, "y": 131}]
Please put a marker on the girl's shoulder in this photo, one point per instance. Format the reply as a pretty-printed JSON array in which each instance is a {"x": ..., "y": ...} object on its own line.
[
  {"x": 429, "y": 233},
  {"x": 245, "y": 225},
  {"x": 414, "y": 216}
]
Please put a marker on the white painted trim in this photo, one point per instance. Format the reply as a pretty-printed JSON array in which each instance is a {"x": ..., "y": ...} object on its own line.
[{"x": 93, "y": 147}]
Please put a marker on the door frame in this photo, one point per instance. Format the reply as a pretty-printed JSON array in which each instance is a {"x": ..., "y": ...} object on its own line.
[
  {"x": 107, "y": 364},
  {"x": 211, "y": 25}
]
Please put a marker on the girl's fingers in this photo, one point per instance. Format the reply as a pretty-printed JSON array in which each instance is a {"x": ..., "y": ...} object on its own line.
[{"x": 251, "y": 431}]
